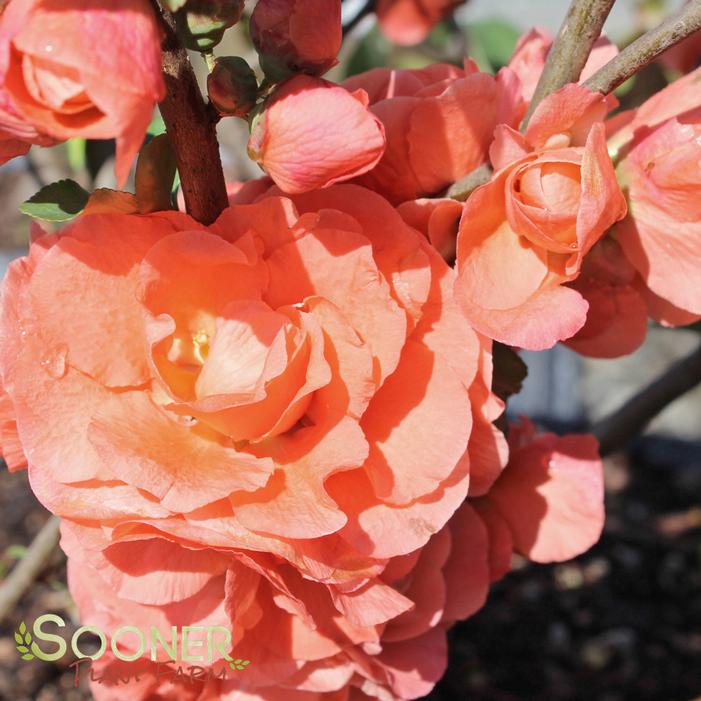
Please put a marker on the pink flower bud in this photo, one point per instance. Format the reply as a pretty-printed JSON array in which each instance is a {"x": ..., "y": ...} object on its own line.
[
  {"x": 202, "y": 23},
  {"x": 296, "y": 36},
  {"x": 232, "y": 86},
  {"x": 313, "y": 134}
]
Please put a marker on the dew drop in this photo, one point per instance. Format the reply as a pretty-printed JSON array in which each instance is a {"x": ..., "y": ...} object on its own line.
[{"x": 55, "y": 362}]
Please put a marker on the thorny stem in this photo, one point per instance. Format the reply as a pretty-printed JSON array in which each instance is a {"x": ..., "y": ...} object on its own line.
[
  {"x": 579, "y": 31},
  {"x": 646, "y": 49},
  {"x": 191, "y": 127}
]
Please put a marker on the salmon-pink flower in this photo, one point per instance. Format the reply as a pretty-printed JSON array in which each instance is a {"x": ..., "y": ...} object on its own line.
[
  {"x": 313, "y": 134},
  {"x": 385, "y": 637},
  {"x": 296, "y": 35},
  {"x": 411, "y": 21},
  {"x": 526, "y": 232},
  {"x": 662, "y": 234},
  {"x": 294, "y": 380},
  {"x": 617, "y": 316},
  {"x": 531, "y": 52},
  {"x": 439, "y": 123},
  {"x": 549, "y": 500},
  {"x": 87, "y": 72}
]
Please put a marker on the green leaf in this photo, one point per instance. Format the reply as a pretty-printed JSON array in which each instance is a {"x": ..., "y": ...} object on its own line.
[
  {"x": 28, "y": 656},
  {"x": 491, "y": 43},
  {"x": 22, "y": 628},
  {"x": 18, "y": 639},
  {"x": 22, "y": 648},
  {"x": 60, "y": 201},
  {"x": 28, "y": 638},
  {"x": 373, "y": 50}
]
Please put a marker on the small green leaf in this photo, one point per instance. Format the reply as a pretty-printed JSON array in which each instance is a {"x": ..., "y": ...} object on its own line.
[
  {"x": 18, "y": 639},
  {"x": 245, "y": 663},
  {"x": 22, "y": 648},
  {"x": 28, "y": 638},
  {"x": 22, "y": 628},
  {"x": 60, "y": 201},
  {"x": 28, "y": 656}
]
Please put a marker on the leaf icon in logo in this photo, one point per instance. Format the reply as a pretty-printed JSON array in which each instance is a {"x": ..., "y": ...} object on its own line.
[
  {"x": 239, "y": 664},
  {"x": 23, "y": 638}
]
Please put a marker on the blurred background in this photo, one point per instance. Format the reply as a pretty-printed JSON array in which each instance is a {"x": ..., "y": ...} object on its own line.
[{"x": 621, "y": 622}]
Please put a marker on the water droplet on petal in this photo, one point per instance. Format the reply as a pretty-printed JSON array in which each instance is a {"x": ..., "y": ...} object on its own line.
[{"x": 55, "y": 362}]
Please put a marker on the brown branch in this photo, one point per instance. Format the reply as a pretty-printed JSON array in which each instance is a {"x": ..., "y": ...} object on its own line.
[
  {"x": 647, "y": 48},
  {"x": 191, "y": 126},
  {"x": 29, "y": 567},
  {"x": 364, "y": 12},
  {"x": 464, "y": 187},
  {"x": 579, "y": 31},
  {"x": 614, "y": 431}
]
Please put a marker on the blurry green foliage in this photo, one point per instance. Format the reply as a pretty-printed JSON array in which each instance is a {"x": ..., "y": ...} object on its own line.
[
  {"x": 373, "y": 50},
  {"x": 491, "y": 42}
]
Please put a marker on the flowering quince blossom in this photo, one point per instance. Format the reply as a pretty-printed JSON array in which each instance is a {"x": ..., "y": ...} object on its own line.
[
  {"x": 547, "y": 505},
  {"x": 285, "y": 395},
  {"x": 87, "y": 72},
  {"x": 265, "y": 425},
  {"x": 649, "y": 265},
  {"x": 411, "y": 21},
  {"x": 553, "y": 196},
  {"x": 439, "y": 122},
  {"x": 347, "y": 140}
]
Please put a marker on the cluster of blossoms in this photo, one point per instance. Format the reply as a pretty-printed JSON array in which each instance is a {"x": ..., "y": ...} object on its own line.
[{"x": 284, "y": 423}]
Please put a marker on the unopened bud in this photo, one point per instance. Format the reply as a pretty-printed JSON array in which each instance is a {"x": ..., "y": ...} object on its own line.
[
  {"x": 296, "y": 36},
  {"x": 201, "y": 23},
  {"x": 232, "y": 86}
]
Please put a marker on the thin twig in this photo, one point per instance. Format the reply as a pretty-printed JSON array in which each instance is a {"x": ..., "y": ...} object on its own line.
[
  {"x": 464, "y": 187},
  {"x": 192, "y": 130},
  {"x": 29, "y": 567},
  {"x": 616, "y": 430},
  {"x": 647, "y": 48},
  {"x": 579, "y": 31},
  {"x": 366, "y": 10}
]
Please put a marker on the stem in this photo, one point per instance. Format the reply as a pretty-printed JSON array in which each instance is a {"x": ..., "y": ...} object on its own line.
[
  {"x": 29, "y": 567},
  {"x": 464, "y": 187},
  {"x": 368, "y": 9},
  {"x": 614, "y": 431},
  {"x": 647, "y": 48},
  {"x": 191, "y": 127},
  {"x": 579, "y": 31}
]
